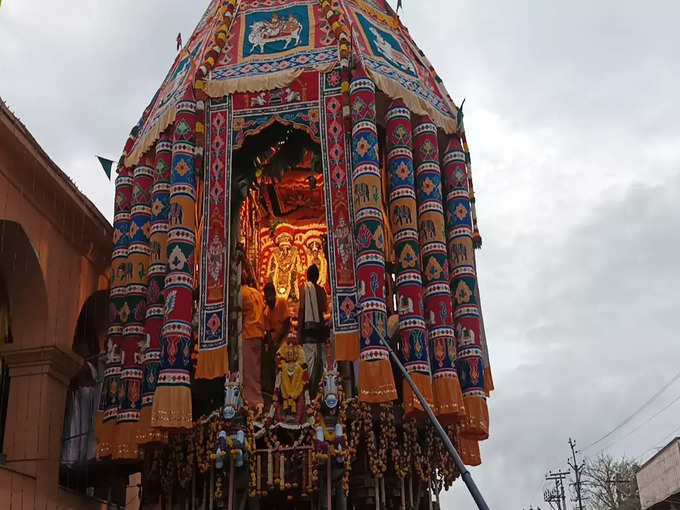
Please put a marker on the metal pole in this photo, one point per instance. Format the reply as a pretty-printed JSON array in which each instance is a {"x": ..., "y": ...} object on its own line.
[{"x": 464, "y": 473}]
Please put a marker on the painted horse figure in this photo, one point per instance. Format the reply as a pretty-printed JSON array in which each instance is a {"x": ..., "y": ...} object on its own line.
[
  {"x": 232, "y": 441},
  {"x": 330, "y": 440}
]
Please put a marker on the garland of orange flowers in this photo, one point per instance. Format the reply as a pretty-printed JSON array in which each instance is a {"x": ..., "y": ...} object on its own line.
[
  {"x": 401, "y": 456},
  {"x": 381, "y": 431}
]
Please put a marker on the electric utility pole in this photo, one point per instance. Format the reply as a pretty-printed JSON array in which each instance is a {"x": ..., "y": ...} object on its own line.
[
  {"x": 578, "y": 471},
  {"x": 556, "y": 495}
]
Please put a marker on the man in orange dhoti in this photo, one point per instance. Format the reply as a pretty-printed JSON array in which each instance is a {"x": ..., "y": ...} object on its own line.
[
  {"x": 277, "y": 327},
  {"x": 253, "y": 338}
]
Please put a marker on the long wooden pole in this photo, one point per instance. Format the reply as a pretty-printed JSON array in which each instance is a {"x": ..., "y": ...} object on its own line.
[
  {"x": 230, "y": 505},
  {"x": 193, "y": 491},
  {"x": 462, "y": 469},
  {"x": 329, "y": 477},
  {"x": 212, "y": 487}
]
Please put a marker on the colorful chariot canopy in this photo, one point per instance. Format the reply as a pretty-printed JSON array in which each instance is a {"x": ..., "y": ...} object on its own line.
[{"x": 256, "y": 45}]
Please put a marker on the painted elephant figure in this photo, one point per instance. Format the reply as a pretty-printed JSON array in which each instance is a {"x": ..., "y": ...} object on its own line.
[
  {"x": 427, "y": 230},
  {"x": 361, "y": 192},
  {"x": 459, "y": 253},
  {"x": 176, "y": 214},
  {"x": 402, "y": 215}
]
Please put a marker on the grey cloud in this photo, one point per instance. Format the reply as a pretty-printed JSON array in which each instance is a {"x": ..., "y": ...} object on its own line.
[{"x": 597, "y": 324}]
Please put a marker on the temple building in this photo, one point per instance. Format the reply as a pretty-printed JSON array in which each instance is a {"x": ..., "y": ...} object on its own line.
[{"x": 54, "y": 260}]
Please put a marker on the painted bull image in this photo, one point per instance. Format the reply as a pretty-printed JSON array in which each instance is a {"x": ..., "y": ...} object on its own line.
[{"x": 274, "y": 30}]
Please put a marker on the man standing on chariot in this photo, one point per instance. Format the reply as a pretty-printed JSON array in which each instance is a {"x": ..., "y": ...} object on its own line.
[
  {"x": 253, "y": 338},
  {"x": 277, "y": 327}
]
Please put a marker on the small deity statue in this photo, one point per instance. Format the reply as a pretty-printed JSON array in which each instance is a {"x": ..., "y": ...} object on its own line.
[
  {"x": 285, "y": 265},
  {"x": 316, "y": 256},
  {"x": 291, "y": 393},
  {"x": 330, "y": 441}
]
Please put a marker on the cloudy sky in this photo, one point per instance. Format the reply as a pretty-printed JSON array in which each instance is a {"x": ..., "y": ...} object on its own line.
[{"x": 572, "y": 117}]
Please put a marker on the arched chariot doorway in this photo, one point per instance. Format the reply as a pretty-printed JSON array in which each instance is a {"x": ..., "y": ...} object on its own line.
[
  {"x": 277, "y": 229},
  {"x": 279, "y": 208}
]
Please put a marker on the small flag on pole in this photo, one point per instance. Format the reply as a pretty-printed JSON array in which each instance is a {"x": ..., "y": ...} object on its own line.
[
  {"x": 179, "y": 40},
  {"x": 459, "y": 115},
  {"x": 106, "y": 164}
]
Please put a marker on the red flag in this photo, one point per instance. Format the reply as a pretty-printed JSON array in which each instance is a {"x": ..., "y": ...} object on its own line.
[{"x": 179, "y": 41}]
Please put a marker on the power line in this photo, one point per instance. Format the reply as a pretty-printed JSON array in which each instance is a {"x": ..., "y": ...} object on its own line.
[
  {"x": 663, "y": 409},
  {"x": 636, "y": 412}
]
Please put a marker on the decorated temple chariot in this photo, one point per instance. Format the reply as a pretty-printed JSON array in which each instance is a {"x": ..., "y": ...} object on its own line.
[{"x": 295, "y": 201}]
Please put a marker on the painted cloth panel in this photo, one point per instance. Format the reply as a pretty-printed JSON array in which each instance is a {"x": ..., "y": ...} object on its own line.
[
  {"x": 337, "y": 173},
  {"x": 271, "y": 44},
  {"x": 409, "y": 283},
  {"x": 215, "y": 249},
  {"x": 109, "y": 400},
  {"x": 394, "y": 62},
  {"x": 438, "y": 305},
  {"x": 376, "y": 382},
  {"x": 155, "y": 304},
  {"x": 172, "y": 400},
  {"x": 463, "y": 285},
  {"x": 133, "y": 334}
]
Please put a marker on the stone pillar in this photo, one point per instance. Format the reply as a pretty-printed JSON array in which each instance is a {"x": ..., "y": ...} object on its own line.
[{"x": 39, "y": 380}]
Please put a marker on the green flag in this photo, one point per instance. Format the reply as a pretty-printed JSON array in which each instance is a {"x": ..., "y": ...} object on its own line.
[{"x": 107, "y": 164}]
